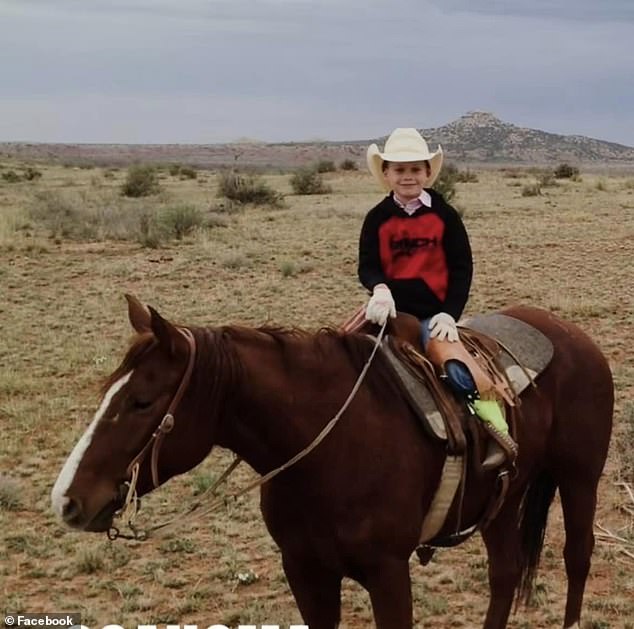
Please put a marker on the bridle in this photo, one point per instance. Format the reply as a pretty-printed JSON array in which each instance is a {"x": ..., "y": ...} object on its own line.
[
  {"x": 129, "y": 508},
  {"x": 127, "y": 512}
]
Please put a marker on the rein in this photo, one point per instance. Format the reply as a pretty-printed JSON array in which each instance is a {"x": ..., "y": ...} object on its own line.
[{"x": 127, "y": 513}]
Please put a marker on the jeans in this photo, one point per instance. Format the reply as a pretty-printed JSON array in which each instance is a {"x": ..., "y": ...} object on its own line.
[
  {"x": 457, "y": 374},
  {"x": 425, "y": 331}
]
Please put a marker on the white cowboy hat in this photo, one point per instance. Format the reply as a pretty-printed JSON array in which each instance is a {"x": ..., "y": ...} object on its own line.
[{"x": 404, "y": 145}]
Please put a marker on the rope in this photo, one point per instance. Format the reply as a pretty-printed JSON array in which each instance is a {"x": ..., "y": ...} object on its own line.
[
  {"x": 141, "y": 535},
  {"x": 127, "y": 513}
]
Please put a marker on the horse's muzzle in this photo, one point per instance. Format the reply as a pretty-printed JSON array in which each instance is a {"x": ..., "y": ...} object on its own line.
[{"x": 74, "y": 515}]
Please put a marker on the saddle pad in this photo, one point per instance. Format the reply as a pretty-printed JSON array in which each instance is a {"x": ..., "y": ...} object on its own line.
[
  {"x": 532, "y": 349},
  {"x": 417, "y": 395}
]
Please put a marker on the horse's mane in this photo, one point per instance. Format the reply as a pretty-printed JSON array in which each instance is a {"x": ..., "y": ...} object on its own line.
[
  {"x": 217, "y": 352},
  {"x": 326, "y": 343}
]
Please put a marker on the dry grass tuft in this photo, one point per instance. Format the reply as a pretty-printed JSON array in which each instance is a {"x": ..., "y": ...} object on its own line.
[{"x": 10, "y": 494}]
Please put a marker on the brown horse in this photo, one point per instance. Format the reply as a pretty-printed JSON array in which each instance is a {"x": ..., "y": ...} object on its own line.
[{"x": 353, "y": 507}]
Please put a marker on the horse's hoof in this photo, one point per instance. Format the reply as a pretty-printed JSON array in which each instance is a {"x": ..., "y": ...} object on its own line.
[{"x": 425, "y": 553}]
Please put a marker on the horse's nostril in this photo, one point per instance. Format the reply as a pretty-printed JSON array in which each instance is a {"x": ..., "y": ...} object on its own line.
[{"x": 71, "y": 512}]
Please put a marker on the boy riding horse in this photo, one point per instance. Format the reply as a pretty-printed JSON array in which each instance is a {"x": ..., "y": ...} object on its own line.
[{"x": 415, "y": 257}]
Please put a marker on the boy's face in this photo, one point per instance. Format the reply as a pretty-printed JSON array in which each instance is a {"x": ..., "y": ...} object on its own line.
[{"x": 406, "y": 178}]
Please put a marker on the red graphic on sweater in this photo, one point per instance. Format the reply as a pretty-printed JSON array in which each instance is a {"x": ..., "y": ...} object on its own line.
[{"x": 411, "y": 248}]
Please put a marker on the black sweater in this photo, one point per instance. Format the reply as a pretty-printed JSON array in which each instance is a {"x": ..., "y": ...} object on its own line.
[{"x": 425, "y": 259}]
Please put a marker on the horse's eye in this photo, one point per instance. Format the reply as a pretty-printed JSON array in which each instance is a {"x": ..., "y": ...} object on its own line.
[{"x": 141, "y": 405}]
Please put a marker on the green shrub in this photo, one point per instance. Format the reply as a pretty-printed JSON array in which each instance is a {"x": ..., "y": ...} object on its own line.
[
  {"x": 466, "y": 176},
  {"x": 201, "y": 482},
  {"x": 547, "y": 180},
  {"x": 60, "y": 214},
  {"x": 183, "y": 172},
  {"x": 446, "y": 182},
  {"x": 325, "y": 166},
  {"x": 348, "y": 164},
  {"x": 187, "y": 173},
  {"x": 178, "y": 545},
  {"x": 31, "y": 174},
  {"x": 89, "y": 562},
  {"x": 11, "y": 176},
  {"x": 150, "y": 233},
  {"x": 566, "y": 171},
  {"x": 225, "y": 206},
  {"x": 9, "y": 494},
  {"x": 181, "y": 220},
  {"x": 451, "y": 173},
  {"x": 234, "y": 261},
  {"x": 141, "y": 181},
  {"x": 68, "y": 216},
  {"x": 288, "y": 269},
  {"x": 216, "y": 219},
  {"x": 308, "y": 181},
  {"x": 531, "y": 190},
  {"x": 512, "y": 173},
  {"x": 247, "y": 189}
]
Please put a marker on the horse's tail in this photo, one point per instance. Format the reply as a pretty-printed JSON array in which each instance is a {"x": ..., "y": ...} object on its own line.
[{"x": 532, "y": 525}]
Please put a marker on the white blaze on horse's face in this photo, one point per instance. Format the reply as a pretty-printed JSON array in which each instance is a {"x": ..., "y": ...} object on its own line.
[{"x": 66, "y": 476}]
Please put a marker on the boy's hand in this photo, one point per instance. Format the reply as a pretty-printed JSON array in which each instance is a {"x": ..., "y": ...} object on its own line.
[
  {"x": 381, "y": 305},
  {"x": 443, "y": 326}
]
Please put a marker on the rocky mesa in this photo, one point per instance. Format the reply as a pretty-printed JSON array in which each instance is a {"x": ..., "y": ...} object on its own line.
[{"x": 475, "y": 138}]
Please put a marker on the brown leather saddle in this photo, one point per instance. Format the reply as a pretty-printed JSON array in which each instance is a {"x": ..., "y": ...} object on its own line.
[
  {"x": 504, "y": 355},
  {"x": 420, "y": 374}
]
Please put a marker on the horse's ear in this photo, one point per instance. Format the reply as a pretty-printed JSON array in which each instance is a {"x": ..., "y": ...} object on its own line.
[
  {"x": 139, "y": 315},
  {"x": 165, "y": 332}
]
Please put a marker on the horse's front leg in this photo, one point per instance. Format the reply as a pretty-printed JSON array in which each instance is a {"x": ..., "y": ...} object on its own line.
[
  {"x": 390, "y": 588},
  {"x": 317, "y": 590}
]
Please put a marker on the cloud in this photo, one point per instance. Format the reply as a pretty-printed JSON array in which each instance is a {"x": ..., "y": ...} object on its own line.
[
  {"x": 583, "y": 10},
  {"x": 163, "y": 70}
]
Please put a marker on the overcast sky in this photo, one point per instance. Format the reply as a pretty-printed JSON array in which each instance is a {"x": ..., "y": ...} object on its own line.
[{"x": 203, "y": 71}]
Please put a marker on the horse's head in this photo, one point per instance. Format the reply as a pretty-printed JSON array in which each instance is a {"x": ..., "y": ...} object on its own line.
[{"x": 125, "y": 430}]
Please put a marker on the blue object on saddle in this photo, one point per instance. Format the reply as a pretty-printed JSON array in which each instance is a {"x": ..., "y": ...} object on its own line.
[
  {"x": 460, "y": 379},
  {"x": 457, "y": 374}
]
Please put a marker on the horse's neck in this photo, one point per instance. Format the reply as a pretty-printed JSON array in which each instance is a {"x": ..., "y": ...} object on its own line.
[{"x": 274, "y": 415}]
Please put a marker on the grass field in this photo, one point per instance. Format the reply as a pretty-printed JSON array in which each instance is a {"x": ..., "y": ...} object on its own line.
[{"x": 71, "y": 246}]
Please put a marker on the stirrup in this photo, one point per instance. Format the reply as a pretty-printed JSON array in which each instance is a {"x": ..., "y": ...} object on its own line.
[
  {"x": 495, "y": 456},
  {"x": 501, "y": 449}
]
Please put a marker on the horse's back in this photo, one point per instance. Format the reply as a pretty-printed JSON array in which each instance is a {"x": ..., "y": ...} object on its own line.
[
  {"x": 575, "y": 353},
  {"x": 578, "y": 386}
]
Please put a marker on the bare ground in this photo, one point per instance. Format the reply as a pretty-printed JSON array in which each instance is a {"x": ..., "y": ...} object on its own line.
[{"x": 64, "y": 327}]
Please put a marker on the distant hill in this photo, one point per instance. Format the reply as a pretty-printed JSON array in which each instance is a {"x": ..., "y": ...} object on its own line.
[
  {"x": 475, "y": 138},
  {"x": 481, "y": 137}
]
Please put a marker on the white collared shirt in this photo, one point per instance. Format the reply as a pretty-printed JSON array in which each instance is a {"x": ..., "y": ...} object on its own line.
[{"x": 424, "y": 198}]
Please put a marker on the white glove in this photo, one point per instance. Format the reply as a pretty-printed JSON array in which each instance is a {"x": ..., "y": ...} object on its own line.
[
  {"x": 381, "y": 305},
  {"x": 443, "y": 326}
]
